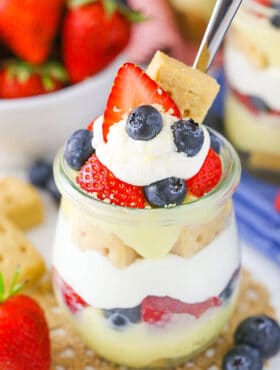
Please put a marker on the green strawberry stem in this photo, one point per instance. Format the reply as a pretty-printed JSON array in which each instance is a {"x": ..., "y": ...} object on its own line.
[
  {"x": 111, "y": 6},
  {"x": 14, "y": 288}
]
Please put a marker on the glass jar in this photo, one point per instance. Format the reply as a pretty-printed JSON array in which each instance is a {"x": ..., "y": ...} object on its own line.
[
  {"x": 147, "y": 287},
  {"x": 252, "y": 65}
]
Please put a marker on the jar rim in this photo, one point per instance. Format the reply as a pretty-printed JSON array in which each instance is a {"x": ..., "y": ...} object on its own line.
[{"x": 231, "y": 175}]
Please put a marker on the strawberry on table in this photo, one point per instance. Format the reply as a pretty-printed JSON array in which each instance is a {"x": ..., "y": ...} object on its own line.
[
  {"x": 95, "y": 178},
  {"x": 133, "y": 87},
  {"x": 24, "y": 334},
  {"x": 208, "y": 176},
  {"x": 19, "y": 79},
  {"x": 94, "y": 33},
  {"x": 28, "y": 27}
]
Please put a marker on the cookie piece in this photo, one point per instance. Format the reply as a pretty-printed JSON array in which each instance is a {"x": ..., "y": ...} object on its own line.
[
  {"x": 16, "y": 250},
  {"x": 192, "y": 90},
  {"x": 21, "y": 203},
  {"x": 194, "y": 238},
  {"x": 264, "y": 160},
  {"x": 88, "y": 236}
]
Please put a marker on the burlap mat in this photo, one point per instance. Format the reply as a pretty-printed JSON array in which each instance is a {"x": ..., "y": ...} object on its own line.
[{"x": 69, "y": 353}]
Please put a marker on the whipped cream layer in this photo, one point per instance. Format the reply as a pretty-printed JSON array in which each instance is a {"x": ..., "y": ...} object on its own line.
[
  {"x": 141, "y": 162},
  {"x": 190, "y": 280},
  {"x": 249, "y": 80}
]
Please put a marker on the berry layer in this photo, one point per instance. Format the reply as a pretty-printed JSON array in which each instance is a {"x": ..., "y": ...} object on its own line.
[
  {"x": 146, "y": 344},
  {"x": 249, "y": 80},
  {"x": 102, "y": 285},
  {"x": 250, "y": 132},
  {"x": 142, "y": 162}
]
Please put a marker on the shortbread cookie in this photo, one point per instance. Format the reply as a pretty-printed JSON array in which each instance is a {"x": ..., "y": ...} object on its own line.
[
  {"x": 17, "y": 251},
  {"x": 20, "y": 202},
  {"x": 88, "y": 236},
  {"x": 192, "y": 90},
  {"x": 264, "y": 160},
  {"x": 193, "y": 238}
]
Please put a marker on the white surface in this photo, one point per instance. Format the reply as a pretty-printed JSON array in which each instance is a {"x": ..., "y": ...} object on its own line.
[
  {"x": 262, "y": 269},
  {"x": 142, "y": 162},
  {"x": 38, "y": 126}
]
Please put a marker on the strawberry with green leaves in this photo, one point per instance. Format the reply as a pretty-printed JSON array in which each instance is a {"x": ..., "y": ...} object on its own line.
[
  {"x": 94, "y": 33},
  {"x": 28, "y": 27},
  {"x": 24, "y": 334},
  {"x": 19, "y": 79}
]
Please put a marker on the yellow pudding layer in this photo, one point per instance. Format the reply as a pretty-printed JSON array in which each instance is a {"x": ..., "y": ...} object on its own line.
[
  {"x": 142, "y": 345},
  {"x": 249, "y": 132},
  {"x": 201, "y": 7}
]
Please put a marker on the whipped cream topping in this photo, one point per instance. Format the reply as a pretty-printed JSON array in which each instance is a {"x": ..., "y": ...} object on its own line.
[
  {"x": 190, "y": 280},
  {"x": 140, "y": 162},
  {"x": 249, "y": 80}
]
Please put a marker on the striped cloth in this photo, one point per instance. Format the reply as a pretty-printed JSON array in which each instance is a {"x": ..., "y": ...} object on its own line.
[{"x": 257, "y": 219}]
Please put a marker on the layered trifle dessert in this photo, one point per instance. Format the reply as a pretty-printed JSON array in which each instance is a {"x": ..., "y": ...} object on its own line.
[
  {"x": 252, "y": 64},
  {"x": 146, "y": 257}
]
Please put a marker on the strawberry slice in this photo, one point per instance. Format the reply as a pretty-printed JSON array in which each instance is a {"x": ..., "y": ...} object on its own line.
[
  {"x": 208, "y": 176},
  {"x": 71, "y": 299},
  {"x": 133, "y": 87},
  {"x": 96, "y": 178},
  {"x": 155, "y": 309},
  {"x": 90, "y": 125}
]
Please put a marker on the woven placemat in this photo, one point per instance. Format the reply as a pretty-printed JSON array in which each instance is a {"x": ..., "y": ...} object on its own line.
[{"x": 69, "y": 353}]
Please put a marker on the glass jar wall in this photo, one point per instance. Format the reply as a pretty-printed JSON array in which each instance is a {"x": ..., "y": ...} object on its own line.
[{"x": 150, "y": 287}]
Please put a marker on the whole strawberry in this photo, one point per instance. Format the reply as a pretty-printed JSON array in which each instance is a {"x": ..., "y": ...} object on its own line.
[
  {"x": 24, "y": 335},
  {"x": 94, "y": 33},
  {"x": 28, "y": 27},
  {"x": 19, "y": 79}
]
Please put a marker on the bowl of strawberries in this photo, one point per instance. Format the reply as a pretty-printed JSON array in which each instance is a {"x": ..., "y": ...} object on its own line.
[{"x": 57, "y": 62}]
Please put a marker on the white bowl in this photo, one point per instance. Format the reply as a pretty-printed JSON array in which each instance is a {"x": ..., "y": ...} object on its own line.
[{"x": 37, "y": 126}]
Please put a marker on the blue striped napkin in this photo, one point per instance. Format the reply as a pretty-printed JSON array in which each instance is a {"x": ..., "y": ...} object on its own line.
[{"x": 257, "y": 219}]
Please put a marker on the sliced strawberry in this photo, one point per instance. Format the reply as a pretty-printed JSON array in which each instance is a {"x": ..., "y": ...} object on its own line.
[
  {"x": 155, "y": 309},
  {"x": 95, "y": 178},
  {"x": 208, "y": 176},
  {"x": 277, "y": 202},
  {"x": 72, "y": 300},
  {"x": 90, "y": 125},
  {"x": 133, "y": 87}
]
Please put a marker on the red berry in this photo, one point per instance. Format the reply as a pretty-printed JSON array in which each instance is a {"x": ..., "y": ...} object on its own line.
[
  {"x": 70, "y": 298},
  {"x": 156, "y": 309},
  {"x": 90, "y": 125},
  {"x": 208, "y": 176},
  {"x": 277, "y": 201},
  {"x": 95, "y": 178},
  {"x": 133, "y": 87}
]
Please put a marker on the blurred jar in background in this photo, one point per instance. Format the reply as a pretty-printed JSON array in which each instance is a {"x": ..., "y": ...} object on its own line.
[
  {"x": 252, "y": 64},
  {"x": 193, "y": 16}
]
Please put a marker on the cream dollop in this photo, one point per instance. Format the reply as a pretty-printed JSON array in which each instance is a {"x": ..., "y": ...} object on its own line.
[{"x": 141, "y": 162}]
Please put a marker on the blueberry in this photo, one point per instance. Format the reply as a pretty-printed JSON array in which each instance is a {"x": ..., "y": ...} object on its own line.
[
  {"x": 40, "y": 173},
  {"x": 166, "y": 192},
  {"x": 229, "y": 289},
  {"x": 144, "y": 123},
  {"x": 119, "y": 318},
  {"x": 275, "y": 20},
  {"x": 215, "y": 142},
  {"x": 260, "y": 332},
  {"x": 52, "y": 189},
  {"x": 188, "y": 137},
  {"x": 78, "y": 148},
  {"x": 132, "y": 314},
  {"x": 243, "y": 358},
  {"x": 259, "y": 104}
]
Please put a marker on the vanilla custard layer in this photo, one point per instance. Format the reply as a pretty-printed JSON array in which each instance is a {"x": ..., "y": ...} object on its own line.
[
  {"x": 249, "y": 132},
  {"x": 190, "y": 280},
  {"x": 145, "y": 344}
]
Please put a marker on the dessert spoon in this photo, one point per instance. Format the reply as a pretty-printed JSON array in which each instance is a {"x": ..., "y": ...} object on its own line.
[{"x": 221, "y": 18}]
